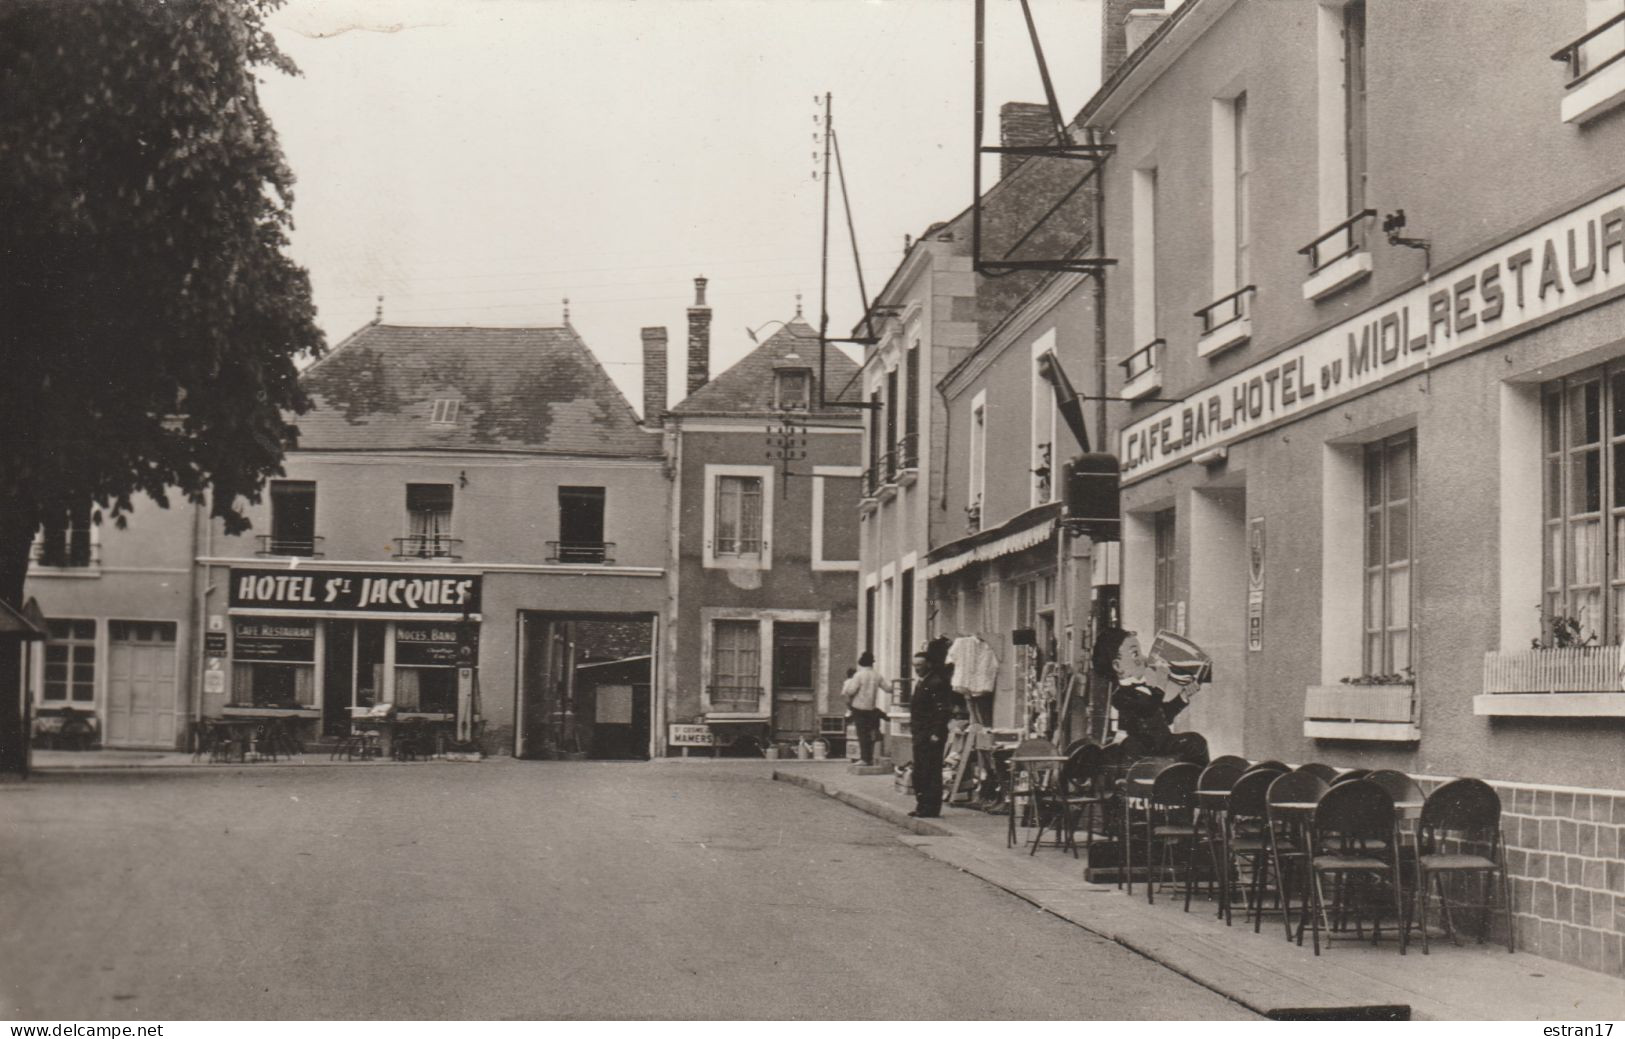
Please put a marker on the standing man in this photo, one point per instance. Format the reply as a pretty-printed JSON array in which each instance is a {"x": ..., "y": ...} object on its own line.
[
  {"x": 929, "y": 710},
  {"x": 861, "y": 697}
]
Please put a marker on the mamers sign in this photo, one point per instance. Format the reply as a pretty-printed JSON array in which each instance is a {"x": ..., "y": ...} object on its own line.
[
  {"x": 353, "y": 592},
  {"x": 1563, "y": 262}
]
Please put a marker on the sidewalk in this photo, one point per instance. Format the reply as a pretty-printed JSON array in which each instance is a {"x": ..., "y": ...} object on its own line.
[
  {"x": 121, "y": 760},
  {"x": 1263, "y": 972}
]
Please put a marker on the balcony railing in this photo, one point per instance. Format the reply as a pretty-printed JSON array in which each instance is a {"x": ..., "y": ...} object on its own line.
[
  {"x": 1226, "y": 309},
  {"x": 581, "y": 552},
  {"x": 1346, "y": 239},
  {"x": 74, "y": 549},
  {"x": 1142, "y": 361},
  {"x": 908, "y": 451},
  {"x": 271, "y": 545},
  {"x": 1584, "y": 60},
  {"x": 871, "y": 481},
  {"x": 735, "y": 699},
  {"x": 428, "y": 546},
  {"x": 888, "y": 468}
]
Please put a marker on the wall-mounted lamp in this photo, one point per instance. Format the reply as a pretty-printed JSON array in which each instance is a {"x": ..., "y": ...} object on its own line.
[
  {"x": 462, "y": 478},
  {"x": 1394, "y": 223}
]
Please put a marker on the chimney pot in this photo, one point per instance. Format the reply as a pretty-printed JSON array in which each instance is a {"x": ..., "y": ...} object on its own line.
[
  {"x": 1114, "y": 38},
  {"x": 699, "y": 292}
]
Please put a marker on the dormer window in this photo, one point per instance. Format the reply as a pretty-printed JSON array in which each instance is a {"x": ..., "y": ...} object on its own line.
[
  {"x": 445, "y": 411},
  {"x": 793, "y": 389}
]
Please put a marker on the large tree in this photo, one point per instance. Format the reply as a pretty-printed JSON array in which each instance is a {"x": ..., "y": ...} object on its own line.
[{"x": 150, "y": 318}]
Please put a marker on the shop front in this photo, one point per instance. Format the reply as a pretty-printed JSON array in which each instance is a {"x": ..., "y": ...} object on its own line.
[{"x": 316, "y": 649}]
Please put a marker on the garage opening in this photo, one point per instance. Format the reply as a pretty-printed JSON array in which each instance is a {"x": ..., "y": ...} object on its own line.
[{"x": 586, "y": 686}]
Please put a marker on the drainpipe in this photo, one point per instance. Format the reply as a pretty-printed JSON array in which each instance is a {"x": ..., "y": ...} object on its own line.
[
  {"x": 202, "y": 588},
  {"x": 1099, "y": 275}
]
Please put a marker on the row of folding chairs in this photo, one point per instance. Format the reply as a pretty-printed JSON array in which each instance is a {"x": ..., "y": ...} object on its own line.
[{"x": 1317, "y": 842}]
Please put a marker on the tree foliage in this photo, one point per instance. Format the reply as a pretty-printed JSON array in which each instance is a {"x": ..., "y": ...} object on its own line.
[{"x": 151, "y": 316}]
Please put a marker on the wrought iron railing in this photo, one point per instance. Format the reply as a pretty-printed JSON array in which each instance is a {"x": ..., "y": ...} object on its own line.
[
  {"x": 888, "y": 467},
  {"x": 270, "y": 545},
  {"x": 871, "y": 481},
  {"x": 428, "y": 546},
  {"x": 908, "y": 451},
  {"x": 1143, "y": 360},
  {"x": 735, "y": 699},
  {"x": 1226, "y": 309},
  {"x": 581, "y": 552},
  {"x": 1582, "y": 59},
  {"x": 1346, "y": 239}
]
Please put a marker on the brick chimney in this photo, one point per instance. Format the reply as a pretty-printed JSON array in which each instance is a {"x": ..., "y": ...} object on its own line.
[
  {"x": 654, "y": 375},
  {"x": 1127, "y": 23},
  {"x": 699, "y": 339},
  {"x": 1022, "y": 124}
]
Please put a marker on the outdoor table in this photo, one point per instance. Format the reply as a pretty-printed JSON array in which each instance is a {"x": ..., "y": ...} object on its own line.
[{"x": 1031, "y": 764}]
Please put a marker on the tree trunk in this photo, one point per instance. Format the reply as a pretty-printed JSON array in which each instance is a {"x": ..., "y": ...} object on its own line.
[{"x": 16, "y": 536}]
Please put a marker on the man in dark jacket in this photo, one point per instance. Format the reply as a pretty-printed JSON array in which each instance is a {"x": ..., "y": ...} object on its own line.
[{"x": 929, "y": 710}]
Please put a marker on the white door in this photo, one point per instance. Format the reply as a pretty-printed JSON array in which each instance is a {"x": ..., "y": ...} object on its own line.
[{"x": 141, "y": 684}]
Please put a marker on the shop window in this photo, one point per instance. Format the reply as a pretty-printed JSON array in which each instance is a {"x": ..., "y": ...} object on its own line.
[
  {"x": 428, "y": 521},
  {"x": 736, "y": 672},
  {"x": 66, "y": 538},
  {"x": 1584, "y": 504},
  {"x": 905, "y": 637},
  {"x": 738, "y": 516},
  {"x": 1165, "y": 601},
  {"x": 70, "y": 661},
  {"x": 293, "y": 519},
  {"x": 581, "y": 526},
  {"x": 1390, "y": 467},
  {"x": 273, "y": 662}
]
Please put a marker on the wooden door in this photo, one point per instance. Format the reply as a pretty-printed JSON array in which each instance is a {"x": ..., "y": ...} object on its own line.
[
  {"x": 141, "y": 684},
  {"x": 795, "y": 680}
]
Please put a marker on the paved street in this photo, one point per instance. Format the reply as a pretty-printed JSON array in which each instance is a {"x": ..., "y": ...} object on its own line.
[{"x": 518, "y": 890}]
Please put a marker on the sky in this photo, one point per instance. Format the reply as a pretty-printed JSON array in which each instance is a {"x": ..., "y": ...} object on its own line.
[{"x": 476, "y": 162}]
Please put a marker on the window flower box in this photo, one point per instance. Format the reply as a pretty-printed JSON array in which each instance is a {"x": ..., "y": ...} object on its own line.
[
  {"x": 1567, "y": 682},
  {"x": 1348, "y": 711}
]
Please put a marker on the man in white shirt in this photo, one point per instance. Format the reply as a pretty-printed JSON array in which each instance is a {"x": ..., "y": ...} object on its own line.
[{"x": 861, "y": 692}]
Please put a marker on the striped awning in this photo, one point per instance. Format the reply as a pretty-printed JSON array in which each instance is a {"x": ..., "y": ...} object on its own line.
[{"x": 1021, "y": 532}]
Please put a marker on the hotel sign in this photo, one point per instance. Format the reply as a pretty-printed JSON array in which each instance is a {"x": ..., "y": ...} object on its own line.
[
  {"x": 354, "y": 591},
  {"x": 1563, "y": 262}
]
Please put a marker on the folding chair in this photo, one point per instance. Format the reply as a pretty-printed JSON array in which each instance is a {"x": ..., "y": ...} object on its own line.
[
  {"x": 1326, "y": 773},
  {"x": 1212, "y": 800},
  {"x": 1246, "y": 840},
  {"x": 1460, "y": 836},
  {"x": 1351, "y": 775},
  {"x": 1241, "y": 764},
  {"x": 1170, "y": 816},
  {"x": 1027, "y": 765},
  {"x": 1074, "y": 794},
  {"x": 1354, "y": 833},
  {"x": 1142, "y": 776},
  {"x": 1292, "y": 800}
]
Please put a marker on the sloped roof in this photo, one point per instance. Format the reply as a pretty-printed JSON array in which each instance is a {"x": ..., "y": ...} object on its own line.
[
  {"x": 518, "y": 389},
  {"x": 747, "y": 387}
]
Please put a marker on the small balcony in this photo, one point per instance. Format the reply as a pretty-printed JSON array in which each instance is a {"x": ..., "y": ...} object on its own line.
[
  {"x": 271, "y": 545},
  {"x": 907, "y": 457},
  {"x": 428, "y": 546},
  {"x": 1338, "y": 258},
  {"x": 734, "y": 699},
  {"x": 1226, "y": 322},
  {"x": 888, "y": 476},
  {"x": 1142, "y": 370},
  {"x": 1596, "y": 80},
  {"x": 581, "y": 553},
  {"x": 1568, "y": 682}
]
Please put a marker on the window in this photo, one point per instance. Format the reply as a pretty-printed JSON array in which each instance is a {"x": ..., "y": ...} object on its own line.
[
  {"x": 428, "y": 520},
  {"x": 1584, "y": 558},
  {"x": 871, "y": 478},
  {"x": 444, "y": 412},
  {"x": 978, "y": 462},
  {"x": 891, "y": 425},
  {"x": 1389, "y": 521},
  {"x": 1243, "y": 205},
  {"x": 65, "y": 538},
  {"x": 1144, "y": 215},
  {"x": 581, "y": 526},
  {"x": 1041, "y": 452},
  {"x": 793, "y": 388},
  {"x": 1165, "y": 602},
  {"x": 736, "y": 666},
  {"x": 739, "y": 516},
  {"x": 909, "y": 448},
  {"x": 293, "y": 518},
  {"x": 1354, "y": 89},
  {"x": 70, "y": 661},
  {"x": 905, "y": 635}
]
